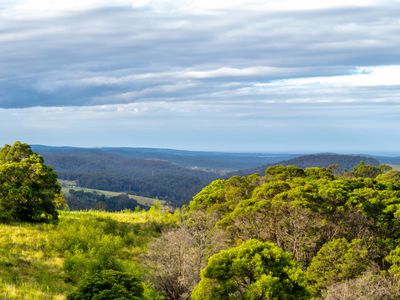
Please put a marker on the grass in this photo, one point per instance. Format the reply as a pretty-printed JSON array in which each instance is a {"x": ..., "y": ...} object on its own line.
[
  {"x": 44, "y": 261},
  {"x": 71, "y": 185}
]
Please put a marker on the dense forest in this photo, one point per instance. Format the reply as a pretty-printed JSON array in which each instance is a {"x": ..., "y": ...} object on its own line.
[
  {"x": 172, "y": 175},
  {"x": 150, "y": 177},
  {"x": 290, "y": 233},
  {"x": 81, "y": 200},
  {"x": 324, "y": 160}
]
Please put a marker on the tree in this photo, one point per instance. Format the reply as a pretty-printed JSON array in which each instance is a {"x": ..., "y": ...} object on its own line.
[
  {"x": 367, "y": 171},
  {"x": 175, "y": 259},
  {"x": 108, "y": 285},
  {"x": 336, "y": 261},
  {"x": 173, "y": 263},
  {"x": 284, "y": 172},
  {"x": 252, "y": 270},
  {"x": 29, "y": 190}
]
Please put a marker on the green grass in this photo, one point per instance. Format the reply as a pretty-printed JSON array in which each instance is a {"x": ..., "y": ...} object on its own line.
[
  {"x": 44, "y": 261},
  {"x": 71, "y": 185}
]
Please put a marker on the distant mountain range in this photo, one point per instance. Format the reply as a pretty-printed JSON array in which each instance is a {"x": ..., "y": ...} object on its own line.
[
  {"x": 209, "y": 161},
  {"x": 174, "y": 175}
]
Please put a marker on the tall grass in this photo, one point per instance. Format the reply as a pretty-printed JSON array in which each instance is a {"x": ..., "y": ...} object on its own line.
[{"x": 43, "y": 261}]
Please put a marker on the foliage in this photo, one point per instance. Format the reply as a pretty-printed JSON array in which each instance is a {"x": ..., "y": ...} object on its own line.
[
  {"x": 336, "y": 162},
  {"x": 367, "y": 171},
  {"x": 253, "y": 237},
  {"x": 155, "y": 178},
  {"x": 29, "y": 190},
  {"x": 394, "y": 259},
  {"x": 81, "y": 200},
  {"x": 108, "y": 285},
  {"x": 337, "y": 226},
  {"x": 337, "y": 261},
  {"x": 253, "y": 270},
  {"x": 175, "y": 270},
  {"x": 369, "y": 286},
  {"x": 46, "y": 261}
]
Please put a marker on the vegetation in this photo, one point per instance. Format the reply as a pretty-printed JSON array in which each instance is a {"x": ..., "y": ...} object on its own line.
[
  {"x": 253, "y": 270},
  {"x": 108, "y": 285},
  {"x": 81, "y": 200},
  {"x": 68, "y": 185},
  {"x": 339, "y": 163},
  {"x": 171, "y": 175},
  {"x": 341, "y": 230},
  {"x": 49, "y": 261},
  {"x": 29, "y": 190},
  {"x": 149, "y": 177},
  {"x": 292, "y": 233}
]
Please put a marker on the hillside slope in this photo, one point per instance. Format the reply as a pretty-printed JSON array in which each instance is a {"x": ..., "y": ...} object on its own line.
[
  {"x": 45, "y": 262},
  {"x": 172, "y": 175},
  {"x": 344, "y": 162}
]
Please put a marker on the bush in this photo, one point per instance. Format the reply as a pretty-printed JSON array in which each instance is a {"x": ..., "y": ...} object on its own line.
[{"x": 108, "y": 285}]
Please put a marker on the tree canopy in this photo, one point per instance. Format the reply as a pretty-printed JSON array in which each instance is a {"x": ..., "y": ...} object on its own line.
[
  {"x": 252, "y": 270},
  {"x": 337, "y": 226},
  {"x": 29, "y": 189}
]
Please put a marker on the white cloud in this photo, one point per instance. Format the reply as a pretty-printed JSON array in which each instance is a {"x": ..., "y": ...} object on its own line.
[
  {"x": 50, "y": 8},
  {"x": 362, "y": 77}
]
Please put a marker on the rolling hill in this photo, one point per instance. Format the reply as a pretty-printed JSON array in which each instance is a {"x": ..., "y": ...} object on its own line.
[
  {"x": 171, "y": 175},
  {"x": 344, "y": 162}
]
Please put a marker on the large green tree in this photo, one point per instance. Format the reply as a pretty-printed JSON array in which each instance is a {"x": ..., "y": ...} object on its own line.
[
  {"x": 252, "y": 270},
  {"x": 29, "y": 190}
]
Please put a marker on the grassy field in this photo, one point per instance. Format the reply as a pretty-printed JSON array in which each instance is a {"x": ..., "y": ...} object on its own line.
[
  {"x": 44, "y": 261},
  {"x": 68, "y": 185}
]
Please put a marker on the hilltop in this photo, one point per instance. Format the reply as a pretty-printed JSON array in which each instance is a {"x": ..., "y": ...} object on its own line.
[
  {"x": 323, "y": 160},
  {"x": 174, "y": 176}
]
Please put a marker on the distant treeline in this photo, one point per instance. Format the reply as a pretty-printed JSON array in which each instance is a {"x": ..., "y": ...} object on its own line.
[
  {"x": 81, "y": 200},
  {"x": 337, "y": 162},
  {"x": 163, "y": 179},
  {"x": 149, "y": 178}
]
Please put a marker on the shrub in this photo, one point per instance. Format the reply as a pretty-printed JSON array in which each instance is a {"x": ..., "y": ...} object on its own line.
[{"x": 108, "y": 285}]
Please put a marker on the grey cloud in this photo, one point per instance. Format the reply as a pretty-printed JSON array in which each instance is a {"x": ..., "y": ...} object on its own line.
[{"x": 121, "y": 55}]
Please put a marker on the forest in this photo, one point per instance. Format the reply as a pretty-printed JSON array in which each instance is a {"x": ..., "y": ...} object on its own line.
[
  {"x": 289, "y": 233},
  {"x": 172, "y": 175}
]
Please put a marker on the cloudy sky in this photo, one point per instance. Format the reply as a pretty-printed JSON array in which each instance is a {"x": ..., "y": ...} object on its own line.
[{"x": 232, "y": 75}]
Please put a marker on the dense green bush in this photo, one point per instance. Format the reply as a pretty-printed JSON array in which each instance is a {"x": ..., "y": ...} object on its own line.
[{"x": 109, "y": 285}]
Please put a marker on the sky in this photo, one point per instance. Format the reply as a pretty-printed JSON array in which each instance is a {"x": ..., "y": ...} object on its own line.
[{"x": 221, "y": 75}]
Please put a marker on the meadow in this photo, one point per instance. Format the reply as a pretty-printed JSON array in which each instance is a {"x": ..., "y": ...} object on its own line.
[
  {"x": 72, "y": 185},
  {"x": 45, "y": 261}
]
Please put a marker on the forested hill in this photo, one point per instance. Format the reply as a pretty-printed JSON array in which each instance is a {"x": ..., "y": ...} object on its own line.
[
  {"x": 342, "y": 162},
  {"x": 211, "y": 161},
  {"x": 170, "y": 175},
  {"x": 147, "y": 177}
]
